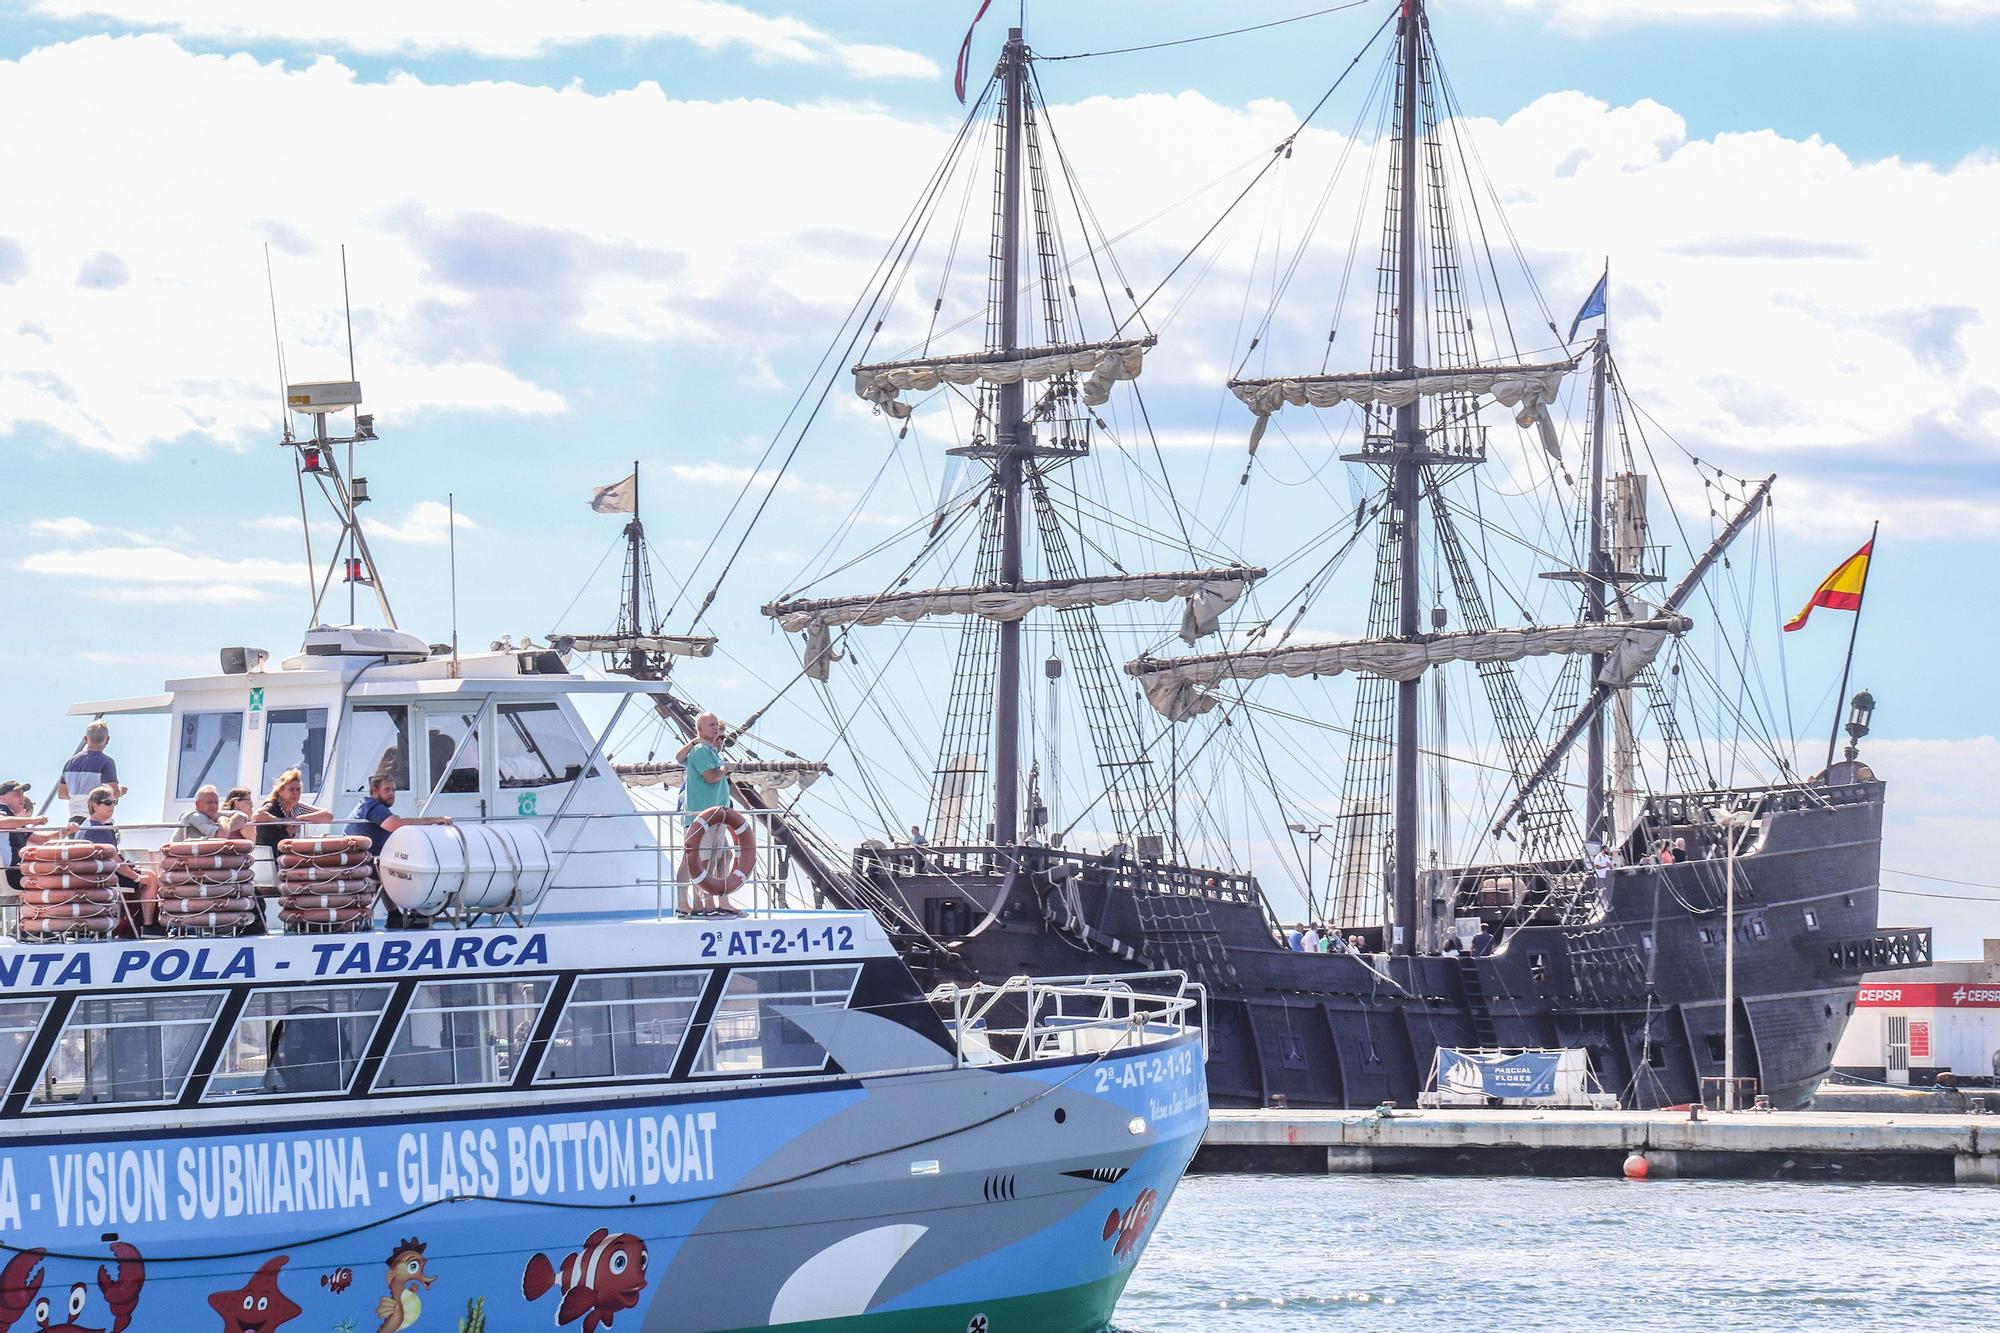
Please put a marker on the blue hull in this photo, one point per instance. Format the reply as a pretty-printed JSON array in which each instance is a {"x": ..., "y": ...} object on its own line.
[{"x": 877, "y": 1201}]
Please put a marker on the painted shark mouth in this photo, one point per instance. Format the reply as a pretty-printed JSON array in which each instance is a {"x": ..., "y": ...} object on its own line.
[{"x": 1103, "y": 1175}]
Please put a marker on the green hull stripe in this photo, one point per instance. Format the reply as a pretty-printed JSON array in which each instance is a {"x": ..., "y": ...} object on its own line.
[{"x": 1084, "y": 1309}]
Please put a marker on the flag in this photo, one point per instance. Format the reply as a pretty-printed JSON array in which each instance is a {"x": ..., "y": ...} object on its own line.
[
  {"x": 1840, "y": 590},
  {"x": 1593, "y": 305},
  {"x": 619, "y": 497},
  {"x": 965, "y": 51}
]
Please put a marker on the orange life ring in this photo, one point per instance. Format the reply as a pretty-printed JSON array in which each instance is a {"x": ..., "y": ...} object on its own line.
[
  {"x": 67, "y": 850},
  {"x": 325, "y": 860},
  {"x": 203, "y": 847},
  {"x": 352, "y": 842},
  {"x": 709, "y": 874}
]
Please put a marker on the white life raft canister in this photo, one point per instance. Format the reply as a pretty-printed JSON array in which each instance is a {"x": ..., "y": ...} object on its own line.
[{"x": 431, "y": 869}]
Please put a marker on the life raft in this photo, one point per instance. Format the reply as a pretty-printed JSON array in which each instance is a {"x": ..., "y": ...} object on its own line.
[{"x": 713, "y": 871}]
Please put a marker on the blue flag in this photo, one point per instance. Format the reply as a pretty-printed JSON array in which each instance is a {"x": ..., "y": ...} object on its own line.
[{"x": 1592, "y": 305}]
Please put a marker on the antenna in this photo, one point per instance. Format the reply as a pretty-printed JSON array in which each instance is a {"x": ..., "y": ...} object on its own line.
[
  {"x": 278, "y": 346},
  {"x": 347, "y": 304},
  {"x": 451, "y": 538}
]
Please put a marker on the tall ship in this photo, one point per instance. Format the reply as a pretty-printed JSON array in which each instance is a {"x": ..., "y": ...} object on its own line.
[
  {"x": 1523, "y": 689},
  {"x": 486, "y": 1076}
]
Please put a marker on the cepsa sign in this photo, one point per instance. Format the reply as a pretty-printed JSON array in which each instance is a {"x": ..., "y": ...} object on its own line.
[{"x": 1930, "y": 995}]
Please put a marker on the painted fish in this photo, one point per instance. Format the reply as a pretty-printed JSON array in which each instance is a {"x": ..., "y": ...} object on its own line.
[
  {"x": 339, "y": 1280},
  {"x": 1129, "y": 1226},
  {"x": 607, "y": 1275}
]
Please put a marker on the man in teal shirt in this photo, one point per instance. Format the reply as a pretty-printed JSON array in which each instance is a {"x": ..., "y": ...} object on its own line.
[{"x": 705, "y": 787}]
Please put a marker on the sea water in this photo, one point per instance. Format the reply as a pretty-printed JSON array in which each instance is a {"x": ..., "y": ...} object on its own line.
[{"x": 1422, "y": 1252}]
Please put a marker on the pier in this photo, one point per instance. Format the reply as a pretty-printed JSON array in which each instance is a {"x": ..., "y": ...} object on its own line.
[{"x": 1779, "y": 1145}]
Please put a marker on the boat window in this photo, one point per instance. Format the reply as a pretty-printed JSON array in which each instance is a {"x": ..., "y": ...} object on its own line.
[
  {"x": 211, "y": 751},
  {"x": 126, "y": 1048},
  {"x": 627, "y": 1026},
  {"x": 457, "y": 764},
  {"x": 463, "y": 1034},
  {"x": 748, "y": 1035},
  {"x": 297, "y": 1040},
  {"x": 295, "y": 738},
  {"x": 376, "y": 743},
  {"x": 538, "y": 747},
  {"x": 19, "y": 1020}
]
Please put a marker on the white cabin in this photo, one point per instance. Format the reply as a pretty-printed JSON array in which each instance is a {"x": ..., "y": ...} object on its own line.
[{"x": 484, "y": 736}]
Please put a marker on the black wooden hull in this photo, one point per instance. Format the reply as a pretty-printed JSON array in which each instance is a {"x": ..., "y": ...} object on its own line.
[{"x": 1640, "y": 986}]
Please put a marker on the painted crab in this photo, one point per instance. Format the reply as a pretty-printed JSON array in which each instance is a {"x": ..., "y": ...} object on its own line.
[{"x": 21, "y": 1285}]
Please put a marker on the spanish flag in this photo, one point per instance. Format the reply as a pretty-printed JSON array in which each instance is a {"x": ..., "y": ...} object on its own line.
[{"x": 1840, "y": 590}]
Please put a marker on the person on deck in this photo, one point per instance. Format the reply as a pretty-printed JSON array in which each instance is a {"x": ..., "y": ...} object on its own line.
[
  {"x": 1483, "y": 942},
  {"x": 375, "y": 818},
  {"x": 205, "y": 820},
  {"x": 285, "y": 809},
  {"x": 1309, "y": 942},
  {"x": 239, "y": 816},
  {"x": 1293, "y": 940},
  {"x": 705, "y": 787},
  {"x": 1601, "y": 863},
  {"x": 97, "y": 827},
  {"x": 88, "y": 769},
  {"x": 917, "y": 838},
  {"x": 17, "y": 821},
  {"x": 1451, "y": 944}
]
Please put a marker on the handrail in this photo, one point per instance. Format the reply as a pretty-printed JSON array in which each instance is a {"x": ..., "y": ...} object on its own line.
[{"x": 1108, "y": 1012}]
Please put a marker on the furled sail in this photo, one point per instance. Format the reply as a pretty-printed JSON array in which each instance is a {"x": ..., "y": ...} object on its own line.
[
  {"x": 678, "y": 645},
  {"x": 771, "y": 775},
  {"x": 1181, "y": 688},
  {"x": 1526, "y": 390},
  {"x": 1211, "y": 591},
  {"x": 1106, "y": 363}
]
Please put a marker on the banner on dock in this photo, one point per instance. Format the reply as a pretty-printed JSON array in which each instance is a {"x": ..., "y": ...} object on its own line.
[{"x": 1526, "y": 1074}]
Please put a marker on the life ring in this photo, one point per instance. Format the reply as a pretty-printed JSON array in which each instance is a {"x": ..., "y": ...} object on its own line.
[
  {"x": 352, "y": 842},
  {"x": 325, "y": 875},
  {"x": 67, "y": 850},
  {"x": 225, "y": 861},
  {"x": 315, "y": 902},
  {"x": 706, "y": 873},
  {"x": 326, "y": 916},
  {"x": 173, "y": 874},
  {"x": 203, "y": 847},
  {"x": 64, "y": 897},
  {"x": 202, "y": 892},
  {"x": 309, "y": 860},
  {"x": 45, "y": 877}
]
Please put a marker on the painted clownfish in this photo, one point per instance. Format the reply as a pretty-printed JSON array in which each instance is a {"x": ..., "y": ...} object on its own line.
[{"x": 607, "y": 1275}]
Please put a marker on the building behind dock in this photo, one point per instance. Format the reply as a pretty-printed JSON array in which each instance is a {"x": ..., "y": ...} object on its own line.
[{"x": 1912, "y": 1025}]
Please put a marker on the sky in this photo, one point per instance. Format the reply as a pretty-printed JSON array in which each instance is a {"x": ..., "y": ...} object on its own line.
[{"x": 578, "y": 233}]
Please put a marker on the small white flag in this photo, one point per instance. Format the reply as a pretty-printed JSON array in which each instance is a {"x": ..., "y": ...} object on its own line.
[{"x": 616, "y": 498}]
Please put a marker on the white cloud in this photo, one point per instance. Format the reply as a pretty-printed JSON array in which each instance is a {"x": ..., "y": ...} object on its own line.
[
  {"x": 1602, "y": 13},
  {"x": 508, "y": 31},
  {"x": 734, "y": 477},
  {"x": 427, "y": 523},
  {"x": 1764, "y": 294},
  {"x": 67, "y": 527},
  {"x": 163, "y": 575}
]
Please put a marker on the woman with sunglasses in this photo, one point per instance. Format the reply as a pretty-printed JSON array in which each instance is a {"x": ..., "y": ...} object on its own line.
[{"x": 97, "y": 827}]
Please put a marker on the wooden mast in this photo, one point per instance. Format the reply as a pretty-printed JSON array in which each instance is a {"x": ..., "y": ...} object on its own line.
[
  {"x": 1407, "y": 483},
  {"x": 1007, "y": 684}
]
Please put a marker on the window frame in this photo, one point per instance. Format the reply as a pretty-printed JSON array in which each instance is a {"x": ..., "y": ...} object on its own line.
[
  {"x": 10, "y": 1074},
  {"x": 412, "y": 1006},
  {"x": 186, "y": 786},
  {"x": 406, "y": 779},
  {"x": 271, "y": 722},
  {"x": 702, "y": 1067},
  {"x": 210, "y": 1096},
  {"x": 476, "y": 756},
  {"x": 704, "y": 978},
  {"x": 36, "y": 1104}
]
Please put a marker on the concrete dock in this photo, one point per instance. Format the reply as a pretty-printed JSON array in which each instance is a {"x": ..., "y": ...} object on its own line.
[{"x": 1943, "y": 1149}]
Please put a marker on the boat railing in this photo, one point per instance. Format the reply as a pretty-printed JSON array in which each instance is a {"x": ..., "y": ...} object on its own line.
[
  {"x": 1038, "y": 1018},
  {"x": 587, "y": 854}
]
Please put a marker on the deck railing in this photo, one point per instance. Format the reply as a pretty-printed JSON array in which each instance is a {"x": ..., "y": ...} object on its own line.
[{"x": 1026, "y": 1018}]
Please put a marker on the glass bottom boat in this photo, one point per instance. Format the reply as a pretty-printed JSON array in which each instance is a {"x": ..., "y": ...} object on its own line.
[{"x": 650, "y": 1124}]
